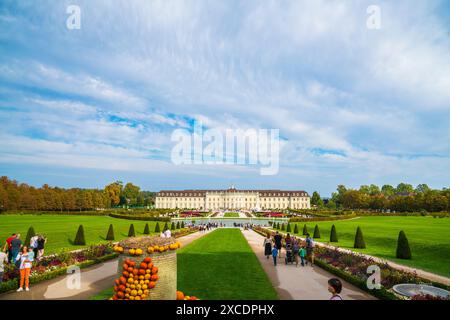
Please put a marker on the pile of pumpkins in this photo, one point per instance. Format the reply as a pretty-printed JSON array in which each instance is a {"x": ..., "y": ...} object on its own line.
[
  {"x": 182, "y": 296},
  {"x": 136, "y": 280},
  {"x": 150, "y": 250}
]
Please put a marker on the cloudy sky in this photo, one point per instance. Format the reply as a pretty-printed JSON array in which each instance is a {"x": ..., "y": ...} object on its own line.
[{"x": 353, "y": 105}]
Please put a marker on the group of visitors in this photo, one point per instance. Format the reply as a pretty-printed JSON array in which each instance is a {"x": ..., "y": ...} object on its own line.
[
  {"x": 166, "y": 234},
  {"x": 300, "y": 250},
  {"x": 21, "y": 256},
  {"x": 207, "y": 226}
]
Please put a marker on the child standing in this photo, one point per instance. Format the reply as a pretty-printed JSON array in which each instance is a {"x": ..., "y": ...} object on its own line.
[
  {"x": 275, "y": 255},
  {"x": 302, "y": 254},
  {"x": 25, "y": 268}
]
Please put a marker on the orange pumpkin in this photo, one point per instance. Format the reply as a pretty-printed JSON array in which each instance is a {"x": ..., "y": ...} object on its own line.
[
  {"x": 154, "y": 277},
  {"x": 135, "y": 272},
  {"x": 117, "y": 282},
  {"x": 148, "y": 260},
  {"x": 154, "y": 270},
  {"x": 130, "y": 269},
  {"x": 180, "y": 295},
  {"x": 143, "y": 265},
  {"x": 126, "y": 274},
  {"x": 151, "y": 284},
  {"x": 122, "y": 280},
  {"x": 142, "y": 272},
  {"x": 120, "y": 295},
  {"x": 122, "y": 287},
  {"x": 116, "y": 288},
  {"x": 125, "y": 266},
  {"x": 132, "y": 263}
]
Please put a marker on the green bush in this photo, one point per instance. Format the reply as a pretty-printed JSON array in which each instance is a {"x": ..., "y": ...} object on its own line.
[
  {"x": 282, "y": 227},
  {"x": 182, "y": 224},
  {"x": 296, "y": 229},
  {"x": 131, "y": 232},
  {"x": 288, "y": 229},
  {"x": 172, "y": 226},
  {"x": 157, "y": 228},
  {"x": 146, "y": 229},
  {"x": 333, "y": 234},
  {"x": 178, "y": 225},
  {"x": 305, "y": 230},
  {"x": 166, "y": 227},
  {"x": 316, "y": 232},
  {"x": 79, "y": 238},
  {"x": 359, "y": 239},
  {"x": 110, "y": 234},
  {"x": 30, "y": 234},
  {"x": 403, "y": 249}
]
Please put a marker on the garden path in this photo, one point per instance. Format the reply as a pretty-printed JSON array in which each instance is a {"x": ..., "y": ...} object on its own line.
[
  {"x": 93, "y": 280},
  {"x": 299, "y": 283}
]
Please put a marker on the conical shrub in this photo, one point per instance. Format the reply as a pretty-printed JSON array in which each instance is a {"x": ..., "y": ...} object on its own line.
[
  {"x": 110, "y": 234},
  {"x": 282, "y": 227},
  {"x": 182, "y": 224},
  {"x": 157, "y": 228},
  {"x": 178, "y": 225},
  {"x": 305, "y": 230},
  {"x": 316, "y": 234},
  {"x": 79, "y": 238},
  {"x": 146, "y": 229},
  {"x": 166, "y": 227},
  {"x": 296, "y": 229},
  {"x": 333, "y": 234},
  {"x": 131, "y": 232},
  {"x": 288, "y": 229},
  {"x": 172, "y": 226},
  {"x": 359, "y": 240},
  {"x": 30, "y": 234},
  {"x": 403, "y": 249}
]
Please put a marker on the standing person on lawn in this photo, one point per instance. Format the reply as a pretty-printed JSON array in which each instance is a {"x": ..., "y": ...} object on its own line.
[
  {"x": 25, "y": 258},
  {"x": 7, "y": 247},
  {"x": 16, "y": 244},
  {"x": 267, "y": 246},
  {"x": 277, "y": 239},
  {"x": 34, "y": 245},
  {"x": 3, "y": 261},
  {"x": 310, "y": 249}
]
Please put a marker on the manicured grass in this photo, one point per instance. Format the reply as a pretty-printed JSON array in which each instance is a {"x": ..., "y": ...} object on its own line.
[
  {"x": 231, "y": 215},
  {"x": 104, "y": 295},
  {"x": 221, "y": 266},
  {"x": 61, "y": 230},
  {"x": 429, "y": 239}
]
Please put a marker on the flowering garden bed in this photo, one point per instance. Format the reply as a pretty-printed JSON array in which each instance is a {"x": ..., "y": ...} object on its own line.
[
  {"x": 56, "y": 265},
  {"x": 352, "y": 267}
]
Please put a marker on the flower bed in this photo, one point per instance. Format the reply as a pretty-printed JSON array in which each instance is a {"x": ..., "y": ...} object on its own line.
[
  {"x": 352, "y": 267},
  {"x": 55, "y": 265}
]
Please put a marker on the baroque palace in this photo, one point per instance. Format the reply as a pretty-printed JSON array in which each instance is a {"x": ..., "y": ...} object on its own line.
[{"x": 232, "y": 199}]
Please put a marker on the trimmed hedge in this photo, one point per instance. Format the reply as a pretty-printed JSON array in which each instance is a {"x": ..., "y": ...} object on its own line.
[
  {"x": 79, "y": 238},
  {"x": 296, "y": 229},
  {"x": 110, "y": 234},
  {"x": 305, "y": 230},
  {"x": 316, "y": 232},
  {"x": 333, "y": 234},
  {"x": 157, "y": 228},
  {"x": 30, "y": 234},
  {"x": 403, "y": 249},
  {"x": 146, "y": 229},
  {"x": 137, "y": 217},
  {"x": 131, "y": 232},
  {"x": 359, "y": 240}
]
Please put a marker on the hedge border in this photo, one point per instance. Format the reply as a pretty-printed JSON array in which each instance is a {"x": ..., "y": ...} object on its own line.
[{"x": 141, "y": 218}]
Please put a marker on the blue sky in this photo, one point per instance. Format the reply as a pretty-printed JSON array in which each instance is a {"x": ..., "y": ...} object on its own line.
[{"x": 354, "y": 106}]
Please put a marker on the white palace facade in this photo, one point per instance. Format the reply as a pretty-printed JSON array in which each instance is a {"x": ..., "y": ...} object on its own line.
[{"x": 232, "y": 199}]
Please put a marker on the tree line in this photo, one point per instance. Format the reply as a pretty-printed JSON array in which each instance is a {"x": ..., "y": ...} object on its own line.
[
  {"x": 403, "y": 198},
  {"x": 21, "y": 196}
]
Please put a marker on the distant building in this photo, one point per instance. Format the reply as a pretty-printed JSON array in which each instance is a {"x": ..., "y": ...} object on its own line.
[{"x": 232, "y": 199}]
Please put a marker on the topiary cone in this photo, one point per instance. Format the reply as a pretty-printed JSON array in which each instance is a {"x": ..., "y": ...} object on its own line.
[
  {"x": 182, "y": 224},
  {"x": 403, "y": 249},
  {"x": 178, "y": 225},
  {"x": 166, "y": 227},
  {"x": 359, "y": 240},
  {"x": 316, "y": 234},
  {"x": 296, "y": 229},
  {"x": 157, "y": 228},
  {"x": 172, "y": 226},
  {"x": 146, "y": 229},
  {"x": 79, "y": 238},
  {"x": 131, "y": 232},
  {"x": 30, "y": 234},
  {"x": 333, "y": 234},
  {"x": 288, "y": 229},
  {"x": 305, "y": 230},
  {"x": 282, "y": 227},
  {"x": 110, "y": 234}
]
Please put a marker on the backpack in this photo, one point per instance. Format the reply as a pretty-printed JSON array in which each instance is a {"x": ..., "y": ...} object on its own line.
[{"x": 310, "y": 243}]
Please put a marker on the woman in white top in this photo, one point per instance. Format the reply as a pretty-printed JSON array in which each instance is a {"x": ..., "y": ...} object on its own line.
[{"x": 26, "y": 260}]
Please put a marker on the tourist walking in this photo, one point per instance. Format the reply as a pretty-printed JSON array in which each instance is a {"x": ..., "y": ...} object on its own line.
[
  {"x": 25, "y": 259},
  {"x": 16, "y": 244},
  {"x": 267, "y": 246},
  {"x": 34, "y": 245},
  {"x": 302, "y": 254},
  {"x": 295, "y": 250},
  {"x": 41, "y": 246},
  {"x": 274, "y": 255},
  {"x": 3, "y": 261},
  {"x": 335, "y": 288},
  {"x": 7, "y": 247},
  {"x": 310, "y": 249},
  {"x": 277, "y": 240}
]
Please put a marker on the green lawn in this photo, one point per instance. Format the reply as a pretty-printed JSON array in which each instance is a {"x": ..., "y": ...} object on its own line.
[
  {"x": 231, "y": 215},
  {"x": 428, "y": 237},
  {"x": 60, "y": 230},
  {"x": 221, "y": 266}
]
